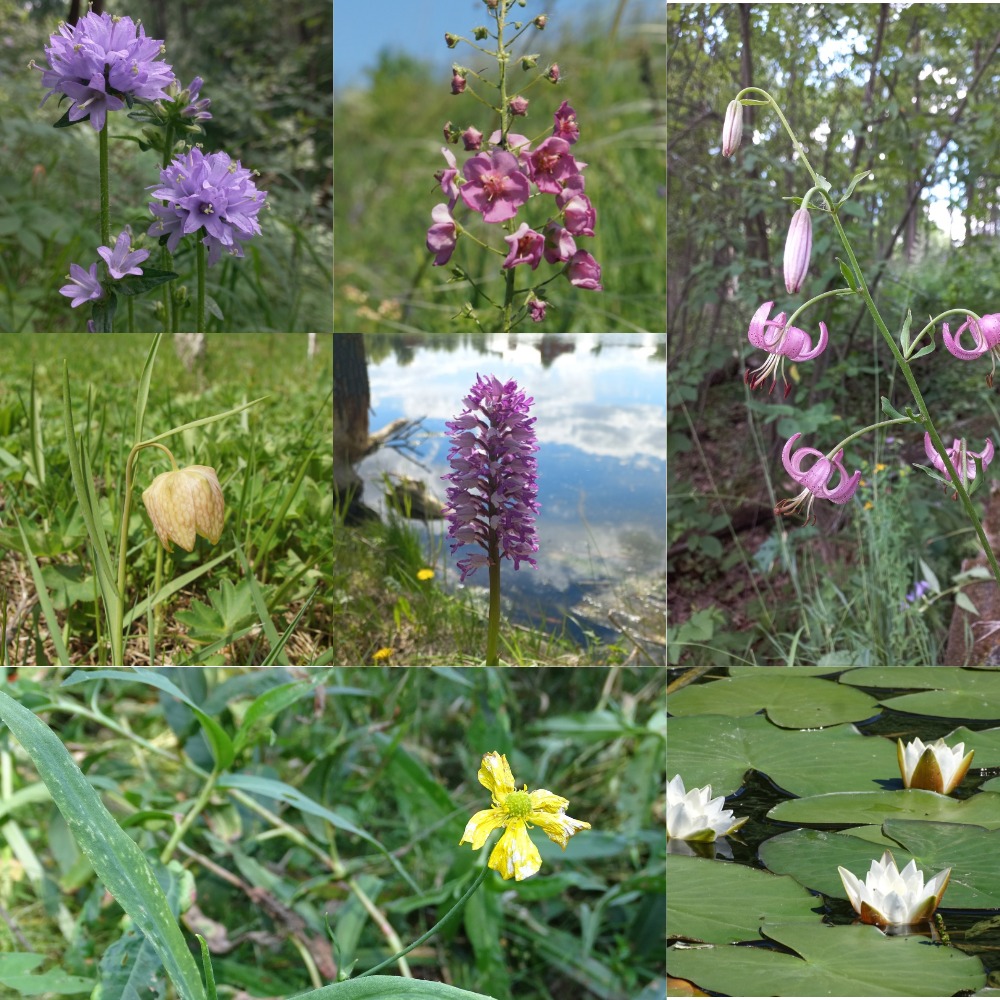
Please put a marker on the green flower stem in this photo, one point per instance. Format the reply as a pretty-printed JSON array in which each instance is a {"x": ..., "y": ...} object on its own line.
[
  {"x": 904, "y": 365},
  {"x": 200, "y": 318},
  {"x": 192, "y": 814},
  {"x": 493, "y": 629},
  {"x": 118, "y": 611},
  {"x": 423, "y": 937},
  {"x": 929, "y": 328},
  {"x": 102, "y": 141},
  {"x": 167, "y": 264},
  {"x": 871, "y": 427}
]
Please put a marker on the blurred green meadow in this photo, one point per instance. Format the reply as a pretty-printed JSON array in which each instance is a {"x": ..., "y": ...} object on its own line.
[
  {"x": 232, "y": 601},
  {"x": 388, "y": 147},
  {"x": 270, "y": 85}
]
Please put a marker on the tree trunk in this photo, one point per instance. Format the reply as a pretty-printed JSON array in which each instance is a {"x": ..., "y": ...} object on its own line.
[{"x": 350, "y": 410}]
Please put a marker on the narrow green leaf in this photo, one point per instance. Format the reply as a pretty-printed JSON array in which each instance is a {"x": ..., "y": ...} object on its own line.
[
  {"x": 858, "y": 178},
  {"x": 268, "y": 704},
  {"x": 889, "y": 409},
  {"x": 207, "y": 420},
  {"x": 116, "y": 859},
  {"x": 385, "y": 987},
  {"x": 273, "y": 656},
  {"x": 930, "y": 576},
  {"x": 926, "y": 349},
  {"x": 848, "y": 274},
  {"x": 143, "y": 394},
  {"x": 37, "y": 445},
  {"x": 55, "y": 633},
  {"x": 260, "y": 604},
  {"x": 904, "y": 333}
]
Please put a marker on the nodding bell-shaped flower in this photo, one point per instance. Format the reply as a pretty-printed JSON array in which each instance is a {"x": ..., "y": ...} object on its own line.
[
  {"x": 732, "y": 128},
  {"x": 963, "y": 459},
  {"x": 935, "y": 766},
  {"x": 889, "y": 897},
  {"x": 780, "y": 341},
  {"x": 985, "y": 336},
  {"x": 695, "y": 815},
  {"x": 798, "y": 248},
  {"x": 186, "y": 502},
  {"x": 815, "y": 479}
]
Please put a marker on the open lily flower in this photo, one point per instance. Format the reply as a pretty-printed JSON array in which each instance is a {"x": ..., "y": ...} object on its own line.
[
  {"x": 935, "y": 766},
  {"x": 816, "y": 479},
  {"x": 889, "y": 896},
  {"x": 961, "y": 457},
  {"x": 985, "y": 336},
  {"x": 695, "y": 815},
  {"x": 780, "y": 341}
]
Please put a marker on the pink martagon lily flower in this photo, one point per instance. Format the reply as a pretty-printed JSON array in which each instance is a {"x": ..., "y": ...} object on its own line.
[
  {"x": 785, "y": 341},
  {"x": 955, "y": 454},
  {"x": 985, "y": 335},
  {"x": 815, "y": 479}
]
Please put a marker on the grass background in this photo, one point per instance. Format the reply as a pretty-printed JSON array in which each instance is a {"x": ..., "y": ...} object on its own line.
[{"x": 274, "y": 462}]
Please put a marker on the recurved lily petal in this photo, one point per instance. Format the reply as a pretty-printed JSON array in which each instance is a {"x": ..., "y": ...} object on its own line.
[
  {"x": 967, "y": 468},
  {"x": 935, "y": 766}
]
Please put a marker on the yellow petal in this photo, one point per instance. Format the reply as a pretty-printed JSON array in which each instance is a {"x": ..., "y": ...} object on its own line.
[
  {"x": 558, "y": 827},
  {"x": 542, "y": 800},
  {"x": 515, "y": 856},
  {"x": 481, "y": 826},
  {"x": 494, "y": 774}
]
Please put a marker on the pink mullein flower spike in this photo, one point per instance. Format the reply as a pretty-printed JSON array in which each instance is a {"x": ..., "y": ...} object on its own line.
[
  {"x": 798, "y": 248},
  {"x": 815, "y": 479},
  {"x": 780, "y": 341},
  {"x": 985, "y": 335}
]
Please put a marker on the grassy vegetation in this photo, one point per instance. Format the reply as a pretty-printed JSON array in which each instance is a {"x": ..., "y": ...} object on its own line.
[
  {"x": 353, "y": 851},
  {"x": 274, "y": 463}
]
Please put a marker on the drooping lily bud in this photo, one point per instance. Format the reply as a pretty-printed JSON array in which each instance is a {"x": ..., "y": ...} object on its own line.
[
  {"x": 186, "y": 502},
  {"x": 798, "y": 248},
  {"x": 732, "y": 128}
]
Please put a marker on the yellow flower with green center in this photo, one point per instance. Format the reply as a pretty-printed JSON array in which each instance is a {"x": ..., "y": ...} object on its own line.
[{"x": 515, "y": 856}]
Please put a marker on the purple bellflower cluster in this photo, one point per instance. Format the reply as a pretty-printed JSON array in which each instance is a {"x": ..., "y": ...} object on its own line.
[
  {"x": 493, "y": 497},
  {"x": 103, "y": 62},
  {"x": 213, "y": 193}
]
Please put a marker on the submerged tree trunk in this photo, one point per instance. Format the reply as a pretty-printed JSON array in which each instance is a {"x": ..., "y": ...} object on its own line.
[{"x": 350, "y": 412}]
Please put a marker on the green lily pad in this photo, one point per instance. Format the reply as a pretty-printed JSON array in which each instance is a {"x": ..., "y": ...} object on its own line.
[
  {"x": 949, "y": 692},
  {"x": 718, "y": 750},
  {"x": 854, "y": 961},
  {"x": 857, "y": 808},
  {"x": 811, "y": 857},
  {"x": 698, "y": 887},
  {"x": 791, "y": 701}
]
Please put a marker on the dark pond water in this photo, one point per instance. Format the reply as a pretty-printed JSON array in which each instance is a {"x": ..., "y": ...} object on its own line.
[{"x": 600, "y": 404}]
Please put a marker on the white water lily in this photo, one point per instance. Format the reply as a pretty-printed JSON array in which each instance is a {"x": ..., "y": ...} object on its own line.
[
  {"x": 889, "y": 896},
  {"x": 933, "y": 766},
  {"x": 695, "y": 815}
]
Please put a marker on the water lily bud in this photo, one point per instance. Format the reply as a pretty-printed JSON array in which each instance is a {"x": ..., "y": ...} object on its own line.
[
  {"x": 186, "y": 502},
  {"x": 732, "y": 128},
  {"x": 935, "y": 766},
  {"x": 798, "y": 247}
]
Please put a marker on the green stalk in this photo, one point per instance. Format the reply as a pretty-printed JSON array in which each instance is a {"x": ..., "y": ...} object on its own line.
[
  {"x": 200, "y": 318},
  {"x": 423, "y": 937},
  {"x": 192, "y": 814},
  {"x": 493, "y": 629},
  {"x": 102, "y": 141}
]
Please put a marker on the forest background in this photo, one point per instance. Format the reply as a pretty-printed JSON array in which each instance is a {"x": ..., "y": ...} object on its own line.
[{"x": 909, "y": 92}]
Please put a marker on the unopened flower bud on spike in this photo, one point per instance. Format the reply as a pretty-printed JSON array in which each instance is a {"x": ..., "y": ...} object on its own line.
[
  {"x": 186, "y": 502},
  {"x": 798, "y": 248},
  {"x": 732, "y": 128}
]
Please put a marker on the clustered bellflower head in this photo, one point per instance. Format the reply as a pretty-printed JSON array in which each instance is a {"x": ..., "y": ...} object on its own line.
[
  {"x": 213, "y": 193},
  {"x": 696, "y": 816},
  {"x": 782, "y": 342},
  {"x": 515, "y": 856},
  {"x": 186, "y": 502},
  {"x": 493, "y": 497},
  {"x": 816, "y": 479},
  {"x": 889, "y": 897},
  {"x": 798, "y": 248},
  {"x": 985, "y": 335},
  {"x": 961, "y": 457},
  {"x": 935, "y": 766},
  {"x": 102, "y": 63}
]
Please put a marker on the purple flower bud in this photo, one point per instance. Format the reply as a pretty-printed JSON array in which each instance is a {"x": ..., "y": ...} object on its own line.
[
  {"x": 732, "y": 128},
  {"x": 798, "y": 247},
  {"x": 494, "y": 491}
]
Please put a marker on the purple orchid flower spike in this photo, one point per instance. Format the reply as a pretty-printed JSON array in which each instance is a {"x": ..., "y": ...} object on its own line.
[
  {"x": 963, "y": 459},
  {"x": 780, "y": 341},
  {"x": 815, "y": 479},
  {"x": 985, "y": 335}
]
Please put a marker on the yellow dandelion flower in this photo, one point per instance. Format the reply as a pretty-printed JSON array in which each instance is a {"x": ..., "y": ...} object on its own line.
[
  {"x": 868, "y": 505},
  {"x": 425, "y": 574},
  {"x": 382, "y": 654},
  {"x": 515, "y": 856},
  {"x": 880, "y": 467}
]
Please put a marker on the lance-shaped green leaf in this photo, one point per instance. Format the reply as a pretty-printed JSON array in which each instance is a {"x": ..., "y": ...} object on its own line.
[
  {"x": 383, "y": 987},
  {"x": 115, "y": 857}
]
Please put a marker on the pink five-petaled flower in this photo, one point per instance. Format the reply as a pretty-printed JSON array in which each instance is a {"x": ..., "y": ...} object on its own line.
[
  {"x": 83, "y": 286},
  {"x": 963, "y": 459},
  {"x": 798, "y": 247},
  {"x": 732, "y": 128},
  {"x": 565, "y": 123},
  {"x": 551, "y": 164},
  {"x": 525, "y": 247},
  {"x": 815, "y": 479},
  {"x": 559, "y": 243},
  {"x": 442, "y": 236},
  {"x": 584, "y": 272},
  {"x": 494, "y": 186},
  {"x": 123, "y": 260},
  {"x": 786, "y": 341},
  {"x": 986, "y": 336},
  {"x": 577, "y": 209},
  {"x": 446, "y": 178}
]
